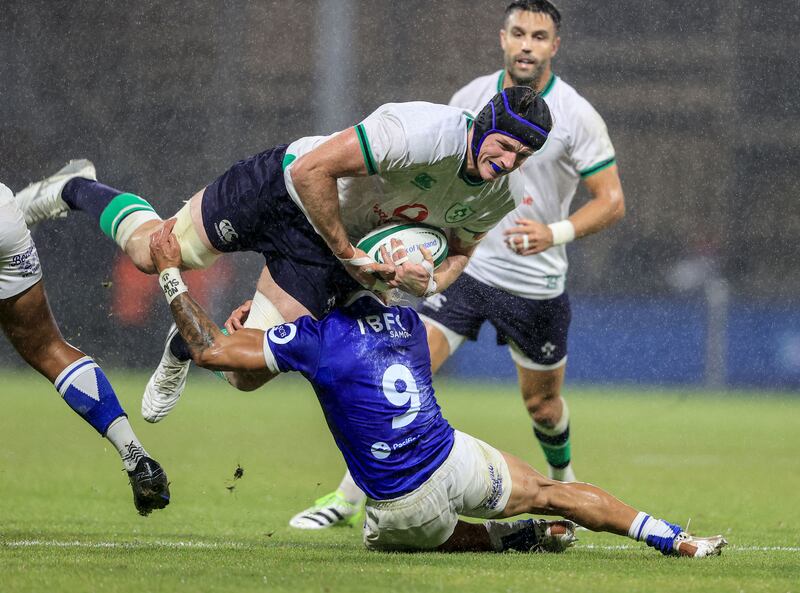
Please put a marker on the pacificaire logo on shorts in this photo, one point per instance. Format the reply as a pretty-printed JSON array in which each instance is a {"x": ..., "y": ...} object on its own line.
[{"x": 225, "y": 231}]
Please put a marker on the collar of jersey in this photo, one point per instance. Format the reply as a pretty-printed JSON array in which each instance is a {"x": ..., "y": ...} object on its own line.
[
  {"x": 361, "y": 294},
  {"x": 547, "y": 88}
]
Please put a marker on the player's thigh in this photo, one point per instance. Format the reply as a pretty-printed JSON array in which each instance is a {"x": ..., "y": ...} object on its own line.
[
  {"x": 287, "y": 306},
  {"x": 529, "y": 488},
  {"x": 535, "y": 330},
  {"x": 456, "y": 314},
  {"x": 485, "y": 479},
  {"x": 28, "y": 323}
]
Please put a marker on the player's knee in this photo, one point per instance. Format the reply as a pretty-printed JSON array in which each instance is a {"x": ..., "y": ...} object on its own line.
[{"x": 543, "y": 406}]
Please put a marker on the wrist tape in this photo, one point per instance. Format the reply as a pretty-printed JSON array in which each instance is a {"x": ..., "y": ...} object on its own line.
[{"x": 171, "y": 283}]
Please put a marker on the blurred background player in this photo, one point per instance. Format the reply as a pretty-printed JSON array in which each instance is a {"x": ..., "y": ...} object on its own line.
[
  {"x": 370, "y": 367},
  {"x": 302, "y": 205},
  {"x": 515, "y": 280},
  {"x": 26, "y": 319}
]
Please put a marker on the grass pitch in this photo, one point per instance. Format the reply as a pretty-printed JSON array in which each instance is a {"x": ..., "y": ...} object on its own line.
[{"x": 730, "y": 462}]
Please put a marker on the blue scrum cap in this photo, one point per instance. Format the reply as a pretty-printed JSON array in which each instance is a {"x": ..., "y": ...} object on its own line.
[{"x": 518, "y": 112}]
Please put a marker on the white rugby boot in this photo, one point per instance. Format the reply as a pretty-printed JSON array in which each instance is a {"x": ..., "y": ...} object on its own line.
[
  {"x": 166, "y": 384},
  {"x": 42, "y": 200},
  {"x": 698, "y": 547},
  {"x": 329, "y": 511},
  {"x": 532, "y": 535}
]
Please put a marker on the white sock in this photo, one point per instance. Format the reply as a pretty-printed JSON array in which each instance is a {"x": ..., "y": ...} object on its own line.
[
  {"x": 121, "y": 435},
  {"x": 644, "y": 525},
  {"x": 350, "y": 491}
]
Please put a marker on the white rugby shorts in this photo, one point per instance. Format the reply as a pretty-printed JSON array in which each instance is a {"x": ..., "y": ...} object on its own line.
[
  {"x": 19, "y": 261},
  {"x": 474, "y": 481}
]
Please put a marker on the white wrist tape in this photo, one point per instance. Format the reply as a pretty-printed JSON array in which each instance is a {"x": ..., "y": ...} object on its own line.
[
  {"x": 431, "y": 290},
  {"x": 563, "y": 232},
  {"x": 171, "y": 283}
]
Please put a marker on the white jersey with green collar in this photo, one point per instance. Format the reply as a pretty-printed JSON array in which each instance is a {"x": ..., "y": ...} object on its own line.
[
  {"x": 414, "y": 154},
  {"x": 578, "y": 147}
]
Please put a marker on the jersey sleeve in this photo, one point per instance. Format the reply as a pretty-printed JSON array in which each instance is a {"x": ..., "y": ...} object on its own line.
[
  {"x": 591, "y": 149},
  {"x": 293, "y": 347},
  {"x": 391, "y": 139}
]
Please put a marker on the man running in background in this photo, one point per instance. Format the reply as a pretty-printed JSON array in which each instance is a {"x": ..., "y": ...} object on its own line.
[
  {"x": 516, "y": 278},
  {"x": 370, "y": 368},
  {"x": 28, "y": 323},
  {"x": 304, "y": 205}
]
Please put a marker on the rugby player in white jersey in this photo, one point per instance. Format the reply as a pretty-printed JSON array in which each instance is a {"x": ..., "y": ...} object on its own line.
[
  {"x": 370, "y": 368},
  {"x": 516, "y": 278},
  {"x": 303, "y": 205},
  {"x": 28, "y": 323}
]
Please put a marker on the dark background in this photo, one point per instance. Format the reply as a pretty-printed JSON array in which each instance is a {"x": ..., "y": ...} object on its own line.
[{"x": 701, "y": 100}]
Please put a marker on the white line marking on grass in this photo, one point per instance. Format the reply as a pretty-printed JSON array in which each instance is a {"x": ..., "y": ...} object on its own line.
[{"x": 31, "y": 543}]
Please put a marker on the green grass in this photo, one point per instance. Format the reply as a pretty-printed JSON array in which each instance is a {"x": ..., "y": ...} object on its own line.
[{"x": 729, "y": 461}]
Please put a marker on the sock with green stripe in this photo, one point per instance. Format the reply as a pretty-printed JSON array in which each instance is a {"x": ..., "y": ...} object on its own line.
[
  {"x": 555, "y": 444},
  {"x": 119, "y": 214}
]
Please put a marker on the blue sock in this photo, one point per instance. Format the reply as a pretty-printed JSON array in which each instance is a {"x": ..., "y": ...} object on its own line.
[
  {"x": 85, "y": 388},
  {"x": 90, "y": 196}
]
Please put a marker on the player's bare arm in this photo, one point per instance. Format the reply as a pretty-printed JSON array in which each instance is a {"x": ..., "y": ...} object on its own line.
[
  {"x": 210, "y": 348},
  {"x": 314, "y": 176},
  {"x": 605, "y": 208}
]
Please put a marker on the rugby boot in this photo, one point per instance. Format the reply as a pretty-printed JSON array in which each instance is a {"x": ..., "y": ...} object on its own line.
[
  {"x": 532, "y": 535},
  {"x": 329, "y": 511},
  {"x": 42, "y": 200},
  {"x": 150, "y": 486},
  {"x": 683, "y": 544},
  {"x": 166, "y": 384}
]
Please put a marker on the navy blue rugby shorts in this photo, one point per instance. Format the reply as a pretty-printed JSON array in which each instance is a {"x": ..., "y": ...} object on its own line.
[
  {"x": 538, "y": 328},
  {"x": 248, "y": 209}
]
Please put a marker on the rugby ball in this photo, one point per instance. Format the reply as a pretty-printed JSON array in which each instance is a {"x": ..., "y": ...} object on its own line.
[{"x": 413, "y": 235}]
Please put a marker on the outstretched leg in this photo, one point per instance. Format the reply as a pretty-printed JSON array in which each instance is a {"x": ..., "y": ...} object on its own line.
[
  {"x": 27, "y": 321},
  {"x": 596, "y": 509}
]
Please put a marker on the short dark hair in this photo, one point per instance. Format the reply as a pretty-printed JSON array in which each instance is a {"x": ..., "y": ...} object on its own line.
[{"x": 543, "y": 6}]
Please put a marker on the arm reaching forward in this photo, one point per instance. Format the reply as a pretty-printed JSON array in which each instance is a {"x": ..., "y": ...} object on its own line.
[{"x": 210, "y": 348}]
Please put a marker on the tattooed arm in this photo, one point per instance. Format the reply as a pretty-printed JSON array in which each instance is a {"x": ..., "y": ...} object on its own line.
[{"x": 210, "y": 348}]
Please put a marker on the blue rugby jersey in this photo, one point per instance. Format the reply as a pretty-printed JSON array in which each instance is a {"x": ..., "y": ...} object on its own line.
[{"x": 370, "y": 368}]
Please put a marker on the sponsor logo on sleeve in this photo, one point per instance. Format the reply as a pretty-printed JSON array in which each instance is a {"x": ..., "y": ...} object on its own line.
[{"x": 282, "y": 334}]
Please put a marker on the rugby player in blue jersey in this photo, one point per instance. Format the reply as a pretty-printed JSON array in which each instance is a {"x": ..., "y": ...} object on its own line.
[{"x": 370, "y": 367}]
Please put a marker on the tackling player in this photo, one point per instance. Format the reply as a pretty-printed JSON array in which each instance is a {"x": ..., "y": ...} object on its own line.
[
  {"x": 303, "y": 205},
  {"x": 26, "y": 319},
  {"x": 516, "y": 278},
  {"x": 370, "y": 368}
]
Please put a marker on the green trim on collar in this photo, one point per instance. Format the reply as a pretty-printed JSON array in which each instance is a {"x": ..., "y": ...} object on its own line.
[
  {"x": 500, "y": 80},
  {"x": 597, "y": 168},
  {"x": 549, "y": 86}
]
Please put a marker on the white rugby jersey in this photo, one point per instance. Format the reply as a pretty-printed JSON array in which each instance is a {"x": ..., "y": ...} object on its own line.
[
  {"x": 578, "y": 147},
  {"x": 414, "y": 154}
]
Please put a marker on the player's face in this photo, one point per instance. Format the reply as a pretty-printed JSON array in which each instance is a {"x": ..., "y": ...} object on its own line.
[
  {"x": 529, "y": 42},
  {"x": 499, "y": 155}
]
